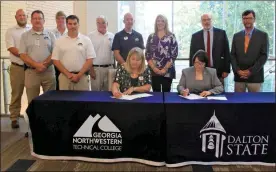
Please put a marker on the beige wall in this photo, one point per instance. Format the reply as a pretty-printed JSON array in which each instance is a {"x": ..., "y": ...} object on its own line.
[
  {"x": 49, "y": 8},
  {"x": 8, "y": 9},
  {"x": 81, "y": 12}
]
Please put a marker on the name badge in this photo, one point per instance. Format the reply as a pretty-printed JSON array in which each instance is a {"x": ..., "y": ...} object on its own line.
[
  {"x": 141, "y": 78},
  {"x": 136, "y": 39},
  {"x": 125, "y": 38}
]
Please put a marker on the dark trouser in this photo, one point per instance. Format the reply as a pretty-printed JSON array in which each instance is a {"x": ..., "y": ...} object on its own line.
[
  {"x": 158, "y": 81},
  {"x": 57, "y": 74}
]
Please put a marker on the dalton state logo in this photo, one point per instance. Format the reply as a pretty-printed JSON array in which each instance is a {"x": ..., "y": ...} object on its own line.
[
  {"x": 213, "y": 136},
  {"x": 104, "y": 124}
]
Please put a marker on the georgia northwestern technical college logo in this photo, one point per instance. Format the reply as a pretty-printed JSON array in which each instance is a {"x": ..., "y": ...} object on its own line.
[
  {"x": 214, "y": 140},
  {"x": 98, "y": 135}
]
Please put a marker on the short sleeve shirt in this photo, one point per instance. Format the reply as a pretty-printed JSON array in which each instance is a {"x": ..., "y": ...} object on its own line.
[
  {"x": 124, "y": 42},
  {"x": 37, "y": 45}
]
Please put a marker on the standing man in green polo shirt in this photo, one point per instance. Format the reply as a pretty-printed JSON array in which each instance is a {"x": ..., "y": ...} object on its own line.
[{"x": 35, "y": 50}]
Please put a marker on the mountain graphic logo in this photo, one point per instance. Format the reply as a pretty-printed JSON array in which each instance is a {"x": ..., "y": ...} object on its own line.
[
  {"x": 105, "y": 124},
  {"x": 213, "y": 136}
]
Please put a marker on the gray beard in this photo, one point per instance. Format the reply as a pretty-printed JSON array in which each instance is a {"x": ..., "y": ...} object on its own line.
[{"x": 21, "y": 24}]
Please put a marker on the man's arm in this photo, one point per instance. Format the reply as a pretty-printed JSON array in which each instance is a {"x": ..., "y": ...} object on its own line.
[
  {"x": 234, "y": 56},
  {"x": 86, "y": 67},
  {"x": 118, "y": 57},
  {"x": 10, "y": 44},
  {"x": 226, "y": 53},
  {"x": 14, "y": 51},
  {"x": 61, "y": 68},
  {"x": 263, "y": 56},
  {"x": 192, "y": 51},
  {"x": 116, "y": 49}
]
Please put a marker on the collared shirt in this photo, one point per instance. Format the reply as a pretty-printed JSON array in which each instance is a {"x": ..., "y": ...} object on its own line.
[
  {"x": 250, "y": 33},
  {"x": 124, "y": 42},
  {"x": 102, "y": 45},
  {"x": 73, "y": 52},
  {"x": 12, "y": 38},
  {"x": 205, "y": 34},
  {"x": 58, "y": 34},
  {"x": 38, "y": 45},
  {"x": 123, "y": 78}
]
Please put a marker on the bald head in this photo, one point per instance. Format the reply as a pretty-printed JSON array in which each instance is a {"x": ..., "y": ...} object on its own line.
[
  {"x": 21, "y": 17},
  {"x": 206, "y": 21},
  {"x": 102, "y": 24},
  {"x": 128, "y": 21}
]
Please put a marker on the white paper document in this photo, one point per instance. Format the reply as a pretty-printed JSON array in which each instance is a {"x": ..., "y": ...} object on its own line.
[
  {"x": 135, "y": 96},
  {"x": 216, "y": 98},
  {"x": 192, "y": 97}
]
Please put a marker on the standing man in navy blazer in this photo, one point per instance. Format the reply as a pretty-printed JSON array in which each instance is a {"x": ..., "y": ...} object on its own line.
[
  {"x": 215, "y": 42},
  {"x": 249, "y": 54}
]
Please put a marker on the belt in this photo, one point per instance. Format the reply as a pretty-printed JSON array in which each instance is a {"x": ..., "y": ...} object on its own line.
[
  {"x": 17, "y": 64},
  {"x": 103, "y": 65},
  {"x": 29, "y": 67},
  {"x": 86, "y": 73}
]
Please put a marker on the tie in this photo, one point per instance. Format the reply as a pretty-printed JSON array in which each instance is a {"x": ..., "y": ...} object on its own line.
[
  {"x": 246, "y": 42},
  {"x": 208, "y": 48}
]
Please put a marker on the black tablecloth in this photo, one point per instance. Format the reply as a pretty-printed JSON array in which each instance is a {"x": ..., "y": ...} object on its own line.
[{"x": 92, "y": 126}]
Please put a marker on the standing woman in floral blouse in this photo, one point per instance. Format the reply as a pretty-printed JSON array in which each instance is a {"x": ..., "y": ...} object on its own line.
[
  {"x": 161, "y": 52},
  {"x": 134, "y": 76}
]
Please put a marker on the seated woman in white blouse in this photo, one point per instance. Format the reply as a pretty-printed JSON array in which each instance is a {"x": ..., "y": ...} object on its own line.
[{"x": 199, "y": 79}]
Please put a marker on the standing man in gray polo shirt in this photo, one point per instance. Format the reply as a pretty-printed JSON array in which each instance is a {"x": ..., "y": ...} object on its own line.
[{"x": 36, "y": 48}]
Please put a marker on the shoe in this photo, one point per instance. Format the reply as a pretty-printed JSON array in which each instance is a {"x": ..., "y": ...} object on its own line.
[{"x": 14, "y": 124}]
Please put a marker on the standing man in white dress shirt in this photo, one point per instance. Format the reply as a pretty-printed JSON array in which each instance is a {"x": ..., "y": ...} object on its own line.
[
  {"x": 17, "y": 74},
  {"x": 73, "y": 56},
  {"x": 102, "y": 41},
  {"x": 59, "y": 31}
]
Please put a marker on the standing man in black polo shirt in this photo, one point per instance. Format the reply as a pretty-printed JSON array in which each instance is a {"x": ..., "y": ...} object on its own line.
[{"x": 126, "y": 39}]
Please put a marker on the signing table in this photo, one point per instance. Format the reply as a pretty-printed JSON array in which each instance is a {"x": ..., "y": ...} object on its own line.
[
  {"x": 240, "y": 130},
  {"x": 158, "y": 130},
  {"x": 92, "y": 126}
]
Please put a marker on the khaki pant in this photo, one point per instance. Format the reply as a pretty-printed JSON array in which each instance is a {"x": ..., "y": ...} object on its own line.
[
  {"x": 101, "y": 81},
  {"x": 34, "y": 80},
  {"x": 17, "y": 78},
  {"x": 251, "y": 87},
  {"x": 66, "y": 84}
]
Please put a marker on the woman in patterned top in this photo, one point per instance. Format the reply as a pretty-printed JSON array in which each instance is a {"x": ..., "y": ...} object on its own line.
[
  {"x": 134, "y": 76},
  {"x": 161, "y": 52}
]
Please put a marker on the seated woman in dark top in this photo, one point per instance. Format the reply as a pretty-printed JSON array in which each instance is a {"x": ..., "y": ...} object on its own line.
[
  {"x": 199, "y": 79},
  {"x": 134, "y": 76}
]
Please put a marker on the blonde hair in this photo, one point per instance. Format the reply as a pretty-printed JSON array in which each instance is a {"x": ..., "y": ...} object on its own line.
[
  {"x": 167, "y": 30},
  {"x": 139, "y": 55},
  {"x": 60, "y": 13}
]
